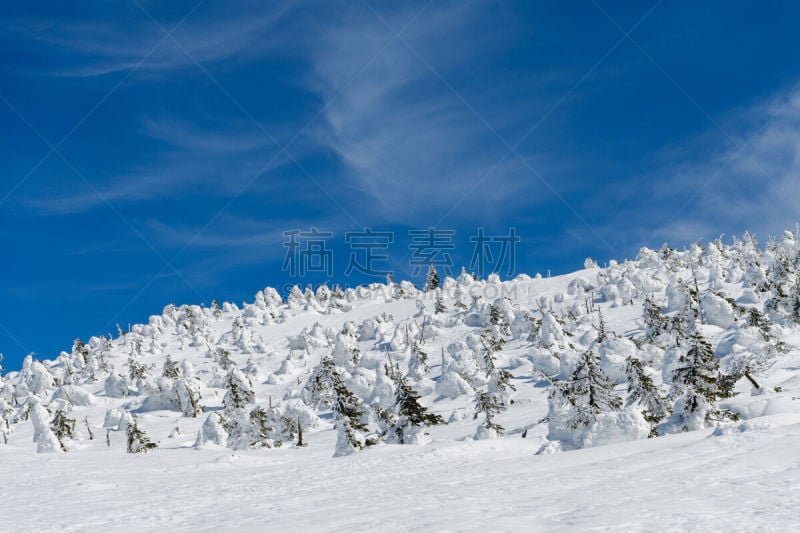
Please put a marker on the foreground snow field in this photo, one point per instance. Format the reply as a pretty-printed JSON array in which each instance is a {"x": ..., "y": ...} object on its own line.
[
  {"x": 742, "y": 481},
  {"x": 650, "y": 395}
]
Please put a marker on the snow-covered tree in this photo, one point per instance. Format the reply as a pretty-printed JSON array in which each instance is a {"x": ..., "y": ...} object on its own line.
[
  {"x": 644, "y": 393},
  {"x": 697, "y": 377},
  {"x": 46, "y": 441},
  {"x": 577, "y": 402},
  {"x": 263, "y": 432},
  {"x": 349, "y": 412},
  {"x": 319, "y": 389},
  {"x": 137, "y": 439},
  {"x": 187, "y": 390},
  {"x": 63, "y": 428},
  {"x": 488, "y": 406},
  {"x": 239, "y": 391},
  {"x": 439, "y": 306},
  {"x": 411, "y": 417},
  {"x": 137, "y": 371},
  {"x": 432, "y": 280},
  {"x": 654, "y": 320},
  {"x": 212, "y": 432},
  {"x": 170, "y": 370}
]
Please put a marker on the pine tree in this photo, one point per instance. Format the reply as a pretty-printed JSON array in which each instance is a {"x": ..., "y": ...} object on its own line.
[
  {"x": 432, "y": 281},
  {"x": 654, "y": 320},
  {"x": 487, "y": 404},
  {"x": 138, "y": 441},
  {"x": 224, "y": 358},
  {"x": 756, "y": 318},
  {"x": 642, "y": 391},
  {"x": 417, "y": 362},
  {"x": 171, "y": 370},
  {"x": 239, "y": 391},
  {"x": 439, "y": 306},
  {"x": 602, "y": 333},
  {"x": 80, "y": 349},
  {"x": 349, "y": 411},
  {"x": 319, "y": 390},
  {"x": 262, "y": 429},
  {"x": 588, "y": 393},
  {"x": 187, "y": 389},
  {"x": 698, "y": 378},
  {"x": 136, "y": 370},
  {"x": 63, "y": 428},
  {"x": 411, "y": 416}
]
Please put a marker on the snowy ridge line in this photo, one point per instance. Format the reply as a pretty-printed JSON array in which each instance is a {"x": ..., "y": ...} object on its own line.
[{"x": 672, "y": 341}]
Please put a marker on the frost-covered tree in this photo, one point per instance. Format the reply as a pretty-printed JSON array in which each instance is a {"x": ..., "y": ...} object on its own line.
[
  {"x": 602, "y": 330},
  {"x": 487, "y": 406},
  {"x": 697, "y": 377},
  {"x": 319, "y": 390},
  {"x": 137, "y": 439},
  {"x": 588, "y": 392},
  {"x": 137, "y": 371},
  {"x": 654, "y": 320},
  {"x": 411, "y": 417},
  {"x": 345, "y": 350},
  {"x": 63, "y": 428},
  {"x": 263, "y": 432},
  {"x": 171, "y": 369},
  {"x": 644, "y": 393},
  {"x": 212, "y": 432},
  {"x": 349, "y": 412},
  {"x": 46, "y": 441},
  {"x": 239, "y": 390},
  {"x": 187, "y": 390},
  {"x": 432, "y": 280},
  {"x": 36, "y": 377},
  {"x": 439, "y": 306},
  {"x": 417, "y": 361}
]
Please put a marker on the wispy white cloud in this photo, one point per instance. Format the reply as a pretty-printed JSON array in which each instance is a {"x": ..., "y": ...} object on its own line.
[
  {"x": 411, "y": 146},
  {"x": 713, "y": 184},
  {"x": 193, "y": 160},
  {"x": 120, "y": 42}
]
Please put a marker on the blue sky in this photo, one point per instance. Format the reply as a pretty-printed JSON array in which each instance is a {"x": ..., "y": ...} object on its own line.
[{"x": 157, "y": 152}]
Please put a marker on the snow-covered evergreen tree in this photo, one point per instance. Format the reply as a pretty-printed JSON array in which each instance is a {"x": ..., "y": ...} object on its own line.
[
  {"x": 644, "y": 393},
  {"x": 170, "y": 370},
  {"x": 411, "y": 417},
  {"x": 239, "y": 390},
  {"x": 137, "y": 440},
  {"x": 63, "y": 428},
  {"x": 574, "y": 405},
  {"x": 697, "y": 378},
  {"x": 349, "y": 412},
  {"x": 432, "y": 280},
  {"x": 439, "y": 306},
  {"x": 187, "y": 390},
  {"x": 487, "y": 406}
]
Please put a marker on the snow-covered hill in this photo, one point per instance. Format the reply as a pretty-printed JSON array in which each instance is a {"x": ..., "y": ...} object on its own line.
[{"x": 654, "y": 393}]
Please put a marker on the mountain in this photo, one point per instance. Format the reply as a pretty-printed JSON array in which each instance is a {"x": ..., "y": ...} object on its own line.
[{"x": 655, "y": 392}]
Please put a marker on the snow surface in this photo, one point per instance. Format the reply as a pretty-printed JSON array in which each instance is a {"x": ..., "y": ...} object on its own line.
[{"x": 742, "y": 481}]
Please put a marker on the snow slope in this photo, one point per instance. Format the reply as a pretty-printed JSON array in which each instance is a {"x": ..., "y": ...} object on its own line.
[{"x": 724, "y": 475}]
